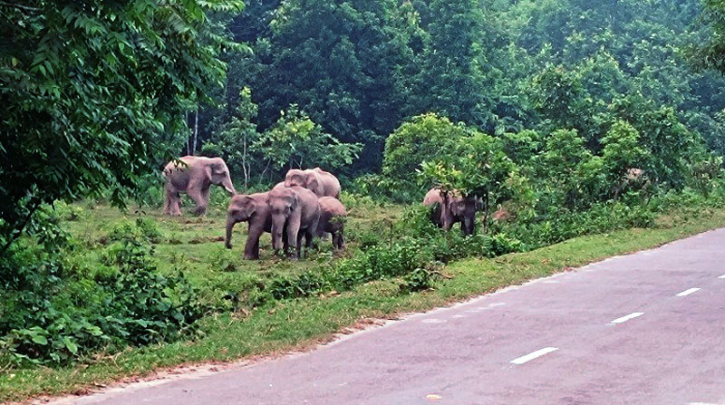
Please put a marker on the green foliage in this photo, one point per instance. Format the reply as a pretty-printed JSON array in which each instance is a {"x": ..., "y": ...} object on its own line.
[
  {"x": 93, "y": 96},
  {"x": 233, "y": 142},
  {"x": 416, "y": 141},
  {"x": 56, "y": 309},
  {"x": 296, "y": 142},
  {"x": 418, "y": 280},
  {"x": 476, "y": 166},
  {"x": 623, "y": 151}
]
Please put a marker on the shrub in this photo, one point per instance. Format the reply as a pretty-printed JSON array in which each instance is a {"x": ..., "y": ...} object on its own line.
[
  {"x": 55, "y": 307},
  {"x": 418, "y": 280}
]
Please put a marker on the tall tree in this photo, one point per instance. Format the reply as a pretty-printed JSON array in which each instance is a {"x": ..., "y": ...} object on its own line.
[{"x": 93, "y": 95}]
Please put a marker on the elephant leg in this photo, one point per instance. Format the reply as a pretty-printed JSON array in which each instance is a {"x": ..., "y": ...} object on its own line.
[
  {"x": 293, "y": 230},
  {"x": 285, "y": 241},
  {"x": 197, "y": 195},
  {"x": 171, "y": 201},
  {"x": 167, "y": 200},
  {"x": 251, "y": 249},
  {"x": 300, "y": 236},
  {"x": 175, "y": 204}
]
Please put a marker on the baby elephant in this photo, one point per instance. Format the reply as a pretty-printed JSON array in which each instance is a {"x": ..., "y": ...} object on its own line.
[
  {"x": 255, "y": 210},
  {"x": 295, "y": 213},
  {"x": 332, "y": 220}
]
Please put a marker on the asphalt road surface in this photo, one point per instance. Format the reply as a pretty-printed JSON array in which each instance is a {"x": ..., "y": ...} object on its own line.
[{"x": 642, "y": 329}]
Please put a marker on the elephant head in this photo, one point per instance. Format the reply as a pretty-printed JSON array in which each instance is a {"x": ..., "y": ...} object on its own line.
[
  {"x": 218, "y": 174},
  {"x": 282, "y": 203},
  {"x": 241, "y": 209},
  {"x": 464, "y": 210}
]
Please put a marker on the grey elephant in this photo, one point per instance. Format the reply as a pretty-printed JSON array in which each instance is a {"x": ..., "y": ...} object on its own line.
[
  {"x": 451, "y": 208},
  {"x": 332, "y": 220},
  {"x": 320, "y": 182},
  {"x": 295, "y": 214},
  {"x": 194, "y": 176},
  {"x": 255, "y": 210}
]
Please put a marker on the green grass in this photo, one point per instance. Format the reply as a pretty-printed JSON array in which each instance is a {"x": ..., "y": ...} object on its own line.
[{"x": 301, "y": 323}]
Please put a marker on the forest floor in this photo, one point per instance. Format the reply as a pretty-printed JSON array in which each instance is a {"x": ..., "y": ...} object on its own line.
[{"x": 195, "y": 247}]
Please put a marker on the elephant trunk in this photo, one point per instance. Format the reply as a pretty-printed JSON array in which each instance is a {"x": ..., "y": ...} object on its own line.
[
  {"x": 230, "y": 227},
  {"x": 469, "y": 225},
  {"x": 277, "y": 232},
  {"x": 229, "y": 186}
]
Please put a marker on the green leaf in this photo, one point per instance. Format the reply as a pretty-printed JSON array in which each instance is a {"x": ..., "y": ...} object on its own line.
[{"x": 40, "y": 339}]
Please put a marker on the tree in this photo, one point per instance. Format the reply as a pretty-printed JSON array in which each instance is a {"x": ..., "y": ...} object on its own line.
[
  {"x": 295, "y": 141},
  {"x": 341, "y": 61},
  {"x": 234, "y": 140},
  {"x": 477, "y": 166},
  {"x": 92, "y": 93},
  {"x": 418, "y": 140}
]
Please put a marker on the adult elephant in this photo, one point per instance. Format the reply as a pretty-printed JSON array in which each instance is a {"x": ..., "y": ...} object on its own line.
[
  {"x": 331, "y": 183},
  {"x": 320, "y": 182},
  {"x": 194, "y": 176},
  {"x": 296, "y": 213},
  {"x": 450, "y": 208},
  {"x": 255, "y": 210}
]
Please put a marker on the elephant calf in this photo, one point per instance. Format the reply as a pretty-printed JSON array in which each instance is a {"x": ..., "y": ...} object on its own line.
[
  {"x": 255, "y": 210},
  {"x": 448, "y": 209},
  {"x": 296, "y": 213},
  {"x": 194, "y": 176},
  {"x": 332, "y": 220}
]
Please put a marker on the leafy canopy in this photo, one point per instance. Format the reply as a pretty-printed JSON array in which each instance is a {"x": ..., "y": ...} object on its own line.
[{"x": 92, "y": 94}]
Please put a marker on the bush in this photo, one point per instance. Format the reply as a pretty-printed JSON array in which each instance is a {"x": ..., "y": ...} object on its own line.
[
  {"x": 56, "y": 308},
  {"x": 418, "y": 280},
  {"x": 143, "y": 229}
]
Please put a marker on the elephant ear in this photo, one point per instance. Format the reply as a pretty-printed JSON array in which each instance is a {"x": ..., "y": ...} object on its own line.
[
  {"x": 294, "y": 202},
  {"x": 453, "y": 206},
  {"x": 478, "y": 203},
  {"x": 312, "y": 183},
  {"x": 250, "y": 207},
  {"x": 209, "y": 172}
]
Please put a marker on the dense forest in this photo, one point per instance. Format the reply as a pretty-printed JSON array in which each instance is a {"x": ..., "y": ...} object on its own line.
[
  {"x": 564, "y": 117},
  {"x": 361, "y": 69}
]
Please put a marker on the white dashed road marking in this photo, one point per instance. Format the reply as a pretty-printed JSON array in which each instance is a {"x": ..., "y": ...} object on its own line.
[
  {"x": 433, "y": 321},
  {"x": 688, "y": 292},
  {"x": 722, "y": 277},
  {"x": 627, "y": 318},
  {"x": 534, "y": 355}
]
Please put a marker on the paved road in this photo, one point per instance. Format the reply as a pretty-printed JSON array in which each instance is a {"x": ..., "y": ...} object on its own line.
[{"x": 642, "y": 329}]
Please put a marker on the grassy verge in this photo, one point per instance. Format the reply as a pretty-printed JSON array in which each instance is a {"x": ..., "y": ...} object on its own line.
[{"x": 296, "y": 324}]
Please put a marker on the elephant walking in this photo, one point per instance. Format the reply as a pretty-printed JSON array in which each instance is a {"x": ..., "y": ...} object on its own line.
[
  {"x": 448, "y": 209},
  {"x": 254, "y": 209},
  {"x": 296, "y": 213},
  {"x": 332, "y": 220},
  {"x": 194, "y": 176}
]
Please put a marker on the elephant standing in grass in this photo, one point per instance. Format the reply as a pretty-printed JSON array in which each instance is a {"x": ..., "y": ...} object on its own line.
[
  {"x": 332, "y": 220},
  {"x": 448, "y": 209},
  {"x": 254, "y": 209},
  {"x": 320, "y": 182},
  {"x": 194, "y": 176},
  {"x": 295, "y": 213}
]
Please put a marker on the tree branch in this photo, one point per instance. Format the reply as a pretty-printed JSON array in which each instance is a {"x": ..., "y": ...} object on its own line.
[{"x": 19, "y": 6}]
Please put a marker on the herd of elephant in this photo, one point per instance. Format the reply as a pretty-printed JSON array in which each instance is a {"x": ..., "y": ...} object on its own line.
[{"x": 305, "y": 205}]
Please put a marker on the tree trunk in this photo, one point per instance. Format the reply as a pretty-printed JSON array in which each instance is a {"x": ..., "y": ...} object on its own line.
[
  {"x": 196, "y": 129},
  {"x": 188, "y": 138},
  {"x": 245, "y": 166}
]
